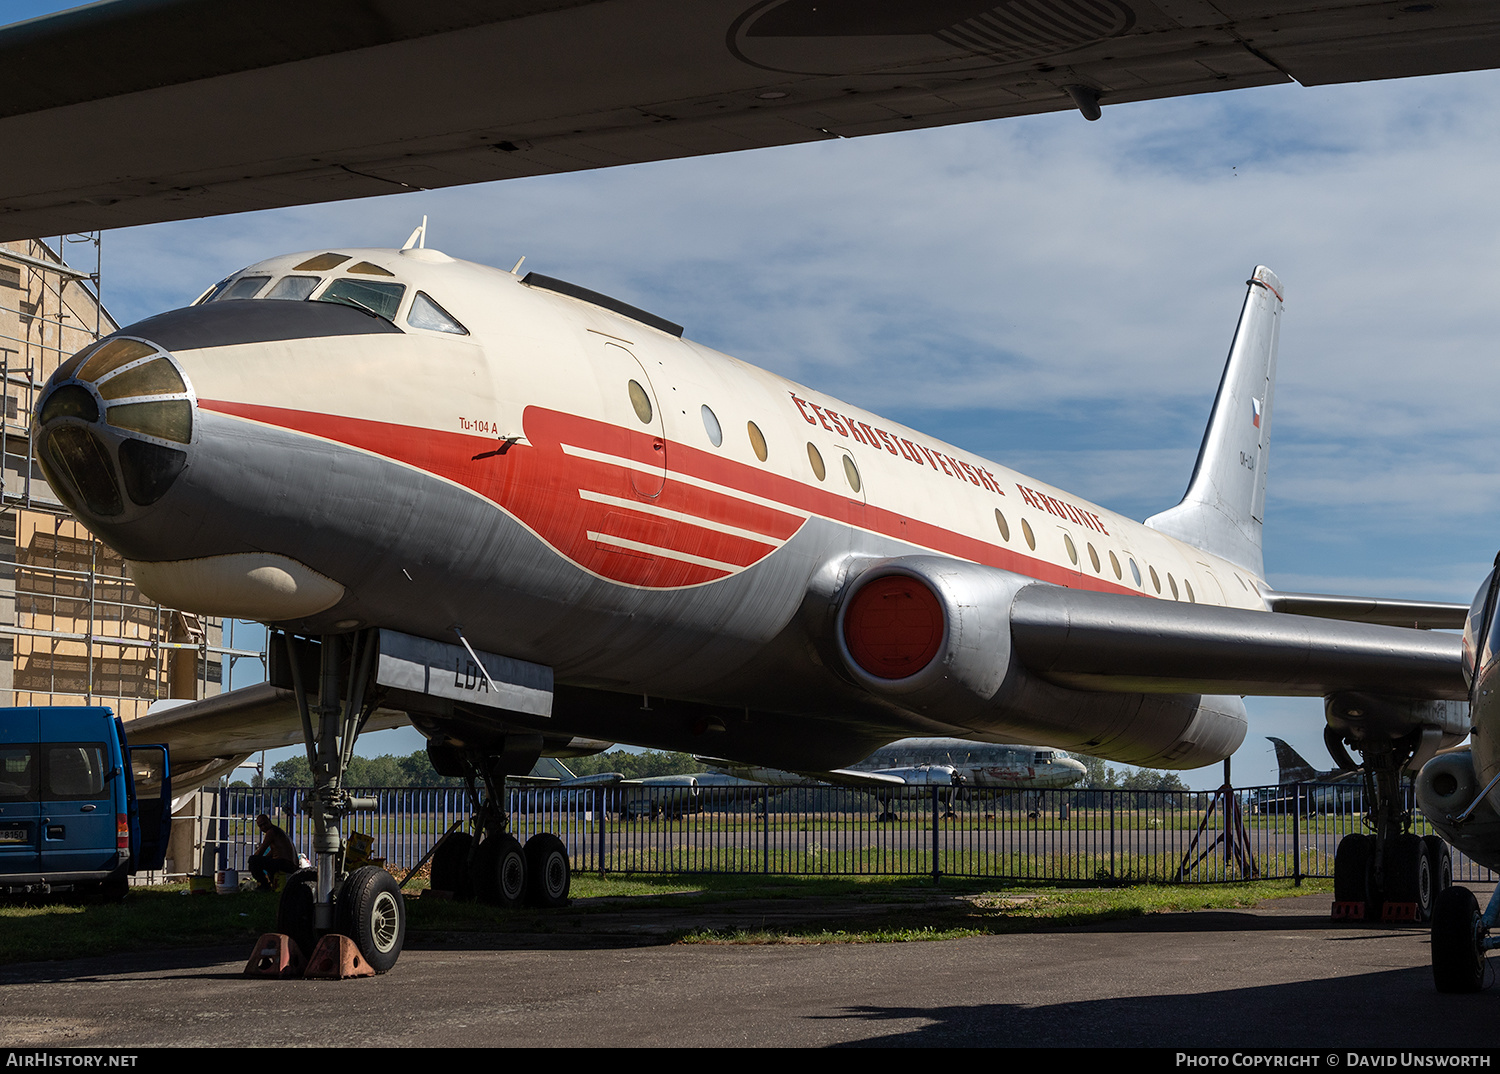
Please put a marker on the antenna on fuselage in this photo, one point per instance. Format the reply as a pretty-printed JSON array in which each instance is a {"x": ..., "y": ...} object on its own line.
[
  {"x": 418, "y": 237},
  {"x": 516, "y": 268}
]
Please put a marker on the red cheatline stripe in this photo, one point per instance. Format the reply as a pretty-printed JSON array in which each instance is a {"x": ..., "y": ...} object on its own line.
[{"x": 451, "y": 455}]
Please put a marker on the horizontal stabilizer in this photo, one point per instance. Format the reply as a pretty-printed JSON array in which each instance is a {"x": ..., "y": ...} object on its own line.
[{"x": 1120, "y": 643}]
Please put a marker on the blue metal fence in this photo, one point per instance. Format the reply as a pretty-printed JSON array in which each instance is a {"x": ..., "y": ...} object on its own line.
[{"x": 1073, "y": 835}]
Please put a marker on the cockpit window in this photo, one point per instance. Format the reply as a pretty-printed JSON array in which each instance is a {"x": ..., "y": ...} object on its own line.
[
  {"x": 321, "y": 263},
  {"x": 382, "y": 299},
  {"x": 364, "y": 268},
  {"x": 425, "y": 313},
  {"x": 244, "y": 287},
  {"x": 294, "y": 288},
  {"x": 212, "y": 293}
]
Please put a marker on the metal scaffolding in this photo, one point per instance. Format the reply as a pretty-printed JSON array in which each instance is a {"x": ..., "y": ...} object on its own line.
[{"x": 74, "y": 629}]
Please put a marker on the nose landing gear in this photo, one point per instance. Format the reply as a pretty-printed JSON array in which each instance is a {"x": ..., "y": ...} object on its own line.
[
  {"x": 366, "y": 905},
  {"x": 333, "y": 680}
]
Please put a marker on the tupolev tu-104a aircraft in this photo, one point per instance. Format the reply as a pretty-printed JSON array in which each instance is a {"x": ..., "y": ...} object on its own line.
[
  {"x": 520, "y": 514},
  {"x": 523, "y": 515}
]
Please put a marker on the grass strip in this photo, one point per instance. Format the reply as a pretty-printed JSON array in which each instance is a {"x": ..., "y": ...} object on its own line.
[{"x": 808, "y": 910}]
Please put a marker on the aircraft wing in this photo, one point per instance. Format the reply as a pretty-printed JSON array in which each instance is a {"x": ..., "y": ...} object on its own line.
[
  {"x": 209, "y": 738},
  {"x": 1113, "y": 642},
  {"x": 841, "y": 777},
  {"x": 169, "y": 109},
  {"x": 868, "y": 781},
  {"x": 1421, "y": 614}
]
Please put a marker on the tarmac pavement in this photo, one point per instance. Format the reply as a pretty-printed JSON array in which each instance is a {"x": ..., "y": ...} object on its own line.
[{"x": 1278, "y": 976}]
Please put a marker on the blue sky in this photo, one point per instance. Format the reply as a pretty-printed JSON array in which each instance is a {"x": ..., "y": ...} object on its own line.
[{"x": 1058, "y": 295}]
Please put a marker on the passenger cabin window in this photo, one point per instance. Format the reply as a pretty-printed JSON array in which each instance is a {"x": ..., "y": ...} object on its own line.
[
  {"x": 425, "y": 313},
  {"x": 382, "y": 299},
  {"x": 816, "y": 461},
  {"x": 640, "y": 402},
  {"x": 757, "y": 440},
  {"x": 711, "y": 425},
  {"x": 851, "y": 473}
]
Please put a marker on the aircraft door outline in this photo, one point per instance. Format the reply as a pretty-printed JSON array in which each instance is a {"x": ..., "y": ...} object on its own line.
[{"x": 648, "y": 450}]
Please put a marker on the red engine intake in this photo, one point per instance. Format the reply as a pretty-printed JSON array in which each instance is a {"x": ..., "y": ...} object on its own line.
[{"x": 894, "y": 626}]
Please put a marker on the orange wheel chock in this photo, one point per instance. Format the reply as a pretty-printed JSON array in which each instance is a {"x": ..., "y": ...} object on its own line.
[
  {"x": 275, "y": 955},
  {"x": 337, "y": 957}
]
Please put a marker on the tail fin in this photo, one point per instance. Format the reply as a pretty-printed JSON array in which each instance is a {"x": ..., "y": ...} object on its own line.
[
  {"x": 1290, "y": 764},
  {"x": 551, "y": 768},
  {"x": 1221, "y": 511}
]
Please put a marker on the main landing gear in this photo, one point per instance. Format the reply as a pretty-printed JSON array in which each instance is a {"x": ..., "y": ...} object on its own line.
[
  {"x": 1461, "y": 936},
  {"x": 1390, "y": 874},
  {"x": 491, "y": 865},
  {"x": 366, "y": 904}
]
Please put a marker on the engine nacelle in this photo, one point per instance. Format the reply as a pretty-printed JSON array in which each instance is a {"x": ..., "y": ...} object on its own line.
[
  {"x": 1446, "y": 787},
  {"x": 932, "y": 636},
  {"x": 921, "y": 626},
  {"x": 927, "y": 775}
]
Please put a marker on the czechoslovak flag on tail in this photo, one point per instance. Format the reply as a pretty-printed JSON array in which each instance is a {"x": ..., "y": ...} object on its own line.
[{"x": 1255, "y": 411}]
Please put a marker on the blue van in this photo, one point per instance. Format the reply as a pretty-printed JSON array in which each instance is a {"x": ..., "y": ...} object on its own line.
[{"x": 79, "y": 808}]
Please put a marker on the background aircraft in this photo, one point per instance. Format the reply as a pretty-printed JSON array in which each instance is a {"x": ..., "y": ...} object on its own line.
[
  {"x": 909, "y": 768},
  {"x": 1332, "y": 790},
  {"x": 914, "y": 765}
]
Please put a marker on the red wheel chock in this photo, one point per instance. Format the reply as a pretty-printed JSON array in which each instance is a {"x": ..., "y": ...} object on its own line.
[
  {"x": 1349, "y": 911},
  {"x": 275, "y": 955},
  {"x": 337, "y": 957},
  {"x": 1399, "y": 912}
]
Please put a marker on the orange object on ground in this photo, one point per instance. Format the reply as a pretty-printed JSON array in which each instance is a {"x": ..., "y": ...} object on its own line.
[
  {"x": 337, "y": 957},
  {"x": 275, "y": 955}
]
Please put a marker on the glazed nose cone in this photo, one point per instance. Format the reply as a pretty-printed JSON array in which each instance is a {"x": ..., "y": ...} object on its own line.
[{"x": 114, "y": 428}]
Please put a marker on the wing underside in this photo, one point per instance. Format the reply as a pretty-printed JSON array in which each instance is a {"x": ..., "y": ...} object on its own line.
[
  {"x": 209, "y": 738},
  {"x": 184, "y": 108}
]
